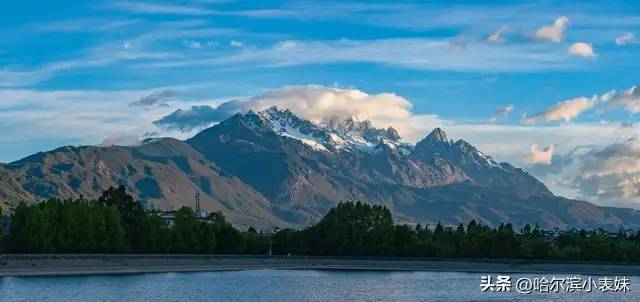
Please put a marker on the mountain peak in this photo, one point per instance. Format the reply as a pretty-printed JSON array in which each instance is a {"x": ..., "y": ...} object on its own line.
[
  {"x": 352, "y": 126},
  {"x": 393, "y": 134},
  {"x": 436, "y": 142},
  {"x": 286, "y": 123},
  {"x": 437, "y": 134},
  {"x": 276, "y": 110},
  {"x": 331, "y": 134}
]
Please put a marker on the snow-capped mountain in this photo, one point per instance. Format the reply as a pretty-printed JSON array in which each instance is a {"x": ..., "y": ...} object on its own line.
[
  {"x": 285, "y": 123},
  {"x": 273, "y": 168},
  {"x": 332, "y": 134}
]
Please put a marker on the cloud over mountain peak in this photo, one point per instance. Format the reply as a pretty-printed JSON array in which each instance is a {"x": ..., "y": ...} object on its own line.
[{"x": 312, "y": 102}]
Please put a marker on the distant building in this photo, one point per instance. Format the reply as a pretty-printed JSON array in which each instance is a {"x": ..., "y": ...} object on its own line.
[
  {"x": 168, "y": 217},
  {"x": 201, "y": 214},
  {"x": 555, "y": 233},
  {"x": 552, "y": 235}
]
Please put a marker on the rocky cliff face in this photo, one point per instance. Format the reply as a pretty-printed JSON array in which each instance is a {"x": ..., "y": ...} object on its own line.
[{"x": 273, "y": 168}]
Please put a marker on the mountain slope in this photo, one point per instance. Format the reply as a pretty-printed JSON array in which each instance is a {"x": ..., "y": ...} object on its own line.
[
  {"x": 479, "y": 168},
  {"x": 165, "y": 173},
  {"x": 273, "y": 168}
]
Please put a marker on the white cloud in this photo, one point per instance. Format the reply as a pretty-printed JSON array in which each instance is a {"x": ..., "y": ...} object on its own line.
[
  {"x": 555, "y": 32},
  {"x": 235, "y": 43},
  {"x": 566, "y": 110},
  {"x": 134, "y": 49},
  {"x": 625, "y": 39},
  {"x": 501, "y": 112},
  {"x": 539, "y": 155},
  {"x": 608, "y": 174},
  {"x": 512, "y": 142},
  {"x": 582, "y": 49},
  {"x": 156, "y": 8},
  {"x": 318, "y": 102},
  {"x": 413, "y": 53},
  {"x": 158, "y": 98},
  {"x": 79, "y": 116},
  {"x": 497, "y": 37},
  {"x": 525, "y": 14},
  {"x": 84, "y": 25},
  {"x": 193, "y": 44},
  {"x": 108, "y": 55},
  {"x": 628, "y": 99},
  {"x": 619, "y": 158},
  {"x": 120, "y": 140},
  {"x": 311, "y": 102}
]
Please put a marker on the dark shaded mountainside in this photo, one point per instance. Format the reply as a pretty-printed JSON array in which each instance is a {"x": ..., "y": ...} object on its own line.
[{"x": 272, "y": 168}]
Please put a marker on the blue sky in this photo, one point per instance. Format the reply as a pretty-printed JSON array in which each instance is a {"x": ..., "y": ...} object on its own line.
[{"x": 496, "y": 74}]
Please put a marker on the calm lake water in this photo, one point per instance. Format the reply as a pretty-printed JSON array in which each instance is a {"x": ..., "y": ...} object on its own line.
[{"x": 282, "y": 285}]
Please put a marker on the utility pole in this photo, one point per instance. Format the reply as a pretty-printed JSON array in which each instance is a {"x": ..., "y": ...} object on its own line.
[
  {"x": 275, "y": 230},
  {"x": 198, "y": 204}
]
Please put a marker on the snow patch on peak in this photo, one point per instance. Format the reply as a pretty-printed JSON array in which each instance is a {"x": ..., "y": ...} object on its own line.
[
  {"x": 352, "y": 126},
  {"x": 304, "y": 138},
  {"x": 332, "y": 134},
  {"x": 287, "y": 124},
  {"x": 488, "y": 160}
]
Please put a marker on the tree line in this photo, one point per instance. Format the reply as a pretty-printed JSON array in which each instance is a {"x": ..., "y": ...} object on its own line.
[
  {"x": 360, "y": 229},
  {"x": 115, "y": 223}
]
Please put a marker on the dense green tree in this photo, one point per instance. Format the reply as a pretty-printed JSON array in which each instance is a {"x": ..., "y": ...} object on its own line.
[
  {"x": 229, "y": 239},
  {"x": 31, "y": 229},
  {"x": 186, "y": 226},
  {"x": 114, "y": 231},
  {"x": 77, "y": 226},
  {"x": 207, "y": 238},
  {"x": 348, "y": 229},
  {"x": 354, "y": 228},
  {"x": 255, "y": 243},
  {"x": 125, "y": 203},
  {"x": 404, "y": 240}
]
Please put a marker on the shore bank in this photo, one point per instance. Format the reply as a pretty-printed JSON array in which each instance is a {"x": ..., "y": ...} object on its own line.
[{"x": 50, "y": 265}]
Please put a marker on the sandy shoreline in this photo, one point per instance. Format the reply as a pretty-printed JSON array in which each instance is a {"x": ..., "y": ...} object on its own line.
[{"x": 51, "y": 265}]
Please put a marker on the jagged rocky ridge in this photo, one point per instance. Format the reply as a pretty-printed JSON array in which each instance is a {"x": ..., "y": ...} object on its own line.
[{"x": 273, "y": 168}]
